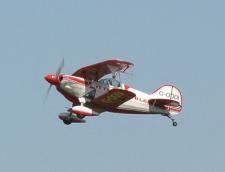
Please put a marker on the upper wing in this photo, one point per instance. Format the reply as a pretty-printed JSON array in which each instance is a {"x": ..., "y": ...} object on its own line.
[
  {"x": 97, "y": 71},
  {"x": 113, "y": 98}
]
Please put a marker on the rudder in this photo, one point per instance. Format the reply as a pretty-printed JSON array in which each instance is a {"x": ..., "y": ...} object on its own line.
[{"x": 167, "y": 97}]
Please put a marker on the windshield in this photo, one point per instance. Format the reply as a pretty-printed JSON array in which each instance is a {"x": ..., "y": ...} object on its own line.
[{"x": 110, "y": 81}]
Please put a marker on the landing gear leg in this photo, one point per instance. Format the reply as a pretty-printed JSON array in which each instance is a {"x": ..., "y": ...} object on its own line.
[
  {"x": 173, "y": 120},
  {"x": 80, "y": 116}
]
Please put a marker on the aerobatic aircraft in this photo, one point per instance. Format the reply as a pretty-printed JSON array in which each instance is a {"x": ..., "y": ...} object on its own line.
[{"x": 91, "y": 93}]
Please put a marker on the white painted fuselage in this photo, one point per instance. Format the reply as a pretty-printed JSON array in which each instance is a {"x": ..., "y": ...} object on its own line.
[{"x": 80, "y": 88}]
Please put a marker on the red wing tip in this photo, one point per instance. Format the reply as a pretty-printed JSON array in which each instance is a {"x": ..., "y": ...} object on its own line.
[{"x": 115, "y": 59}]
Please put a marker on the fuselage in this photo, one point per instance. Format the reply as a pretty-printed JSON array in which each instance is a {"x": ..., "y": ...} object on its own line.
[
  {"x": 90, "y": 95},
  {"x": 74, "y": 88}
]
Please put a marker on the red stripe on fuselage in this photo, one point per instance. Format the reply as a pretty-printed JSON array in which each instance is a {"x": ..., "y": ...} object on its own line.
[
  {"x": 76, "y": 79},
  {"x": 175, "y": 109}
]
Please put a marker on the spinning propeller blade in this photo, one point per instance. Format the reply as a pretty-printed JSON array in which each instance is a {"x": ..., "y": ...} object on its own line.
[
  {"x": 58, "y": 72},
  {"x": 60, "y": 67},
  {"x": 48, "y": 90}
]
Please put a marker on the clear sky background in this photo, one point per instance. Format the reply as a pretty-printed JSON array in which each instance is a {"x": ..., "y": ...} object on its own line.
[{"x": 177, "y": 42}]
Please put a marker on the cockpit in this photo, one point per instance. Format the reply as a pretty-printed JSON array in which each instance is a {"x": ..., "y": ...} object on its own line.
[{"x": 110, "y": 81}]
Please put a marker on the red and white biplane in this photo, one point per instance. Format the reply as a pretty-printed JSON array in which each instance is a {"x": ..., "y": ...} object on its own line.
[{"x": 91, "y": 94}]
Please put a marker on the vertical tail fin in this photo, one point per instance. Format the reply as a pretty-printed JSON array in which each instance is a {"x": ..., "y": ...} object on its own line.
[{"x": 167, "y": 97}]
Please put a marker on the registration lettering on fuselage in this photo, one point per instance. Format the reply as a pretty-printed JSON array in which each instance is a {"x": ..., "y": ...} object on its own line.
[{"x": 169, "y": 95}]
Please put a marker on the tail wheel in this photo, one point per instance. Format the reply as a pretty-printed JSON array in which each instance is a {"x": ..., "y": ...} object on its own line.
[
  {"x": 173, "y": 120},
  {"x": 174, "y": 124}
]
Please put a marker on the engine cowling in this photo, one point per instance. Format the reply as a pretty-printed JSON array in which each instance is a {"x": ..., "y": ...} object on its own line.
[{"x": 82, "y": 110}]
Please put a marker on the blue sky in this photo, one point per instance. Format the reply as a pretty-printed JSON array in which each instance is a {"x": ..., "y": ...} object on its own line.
[{"x": 177, "y": 42}]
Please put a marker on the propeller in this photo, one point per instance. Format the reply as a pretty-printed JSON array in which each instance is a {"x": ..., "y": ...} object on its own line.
[
  {"x": 48, "y": 91},
  {"x": 60, "y": 67},
  {"x": 58, "y": 72}
]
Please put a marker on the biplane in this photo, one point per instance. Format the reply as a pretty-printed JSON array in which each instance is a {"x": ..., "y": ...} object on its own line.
[{"x": 92, "y": 93}]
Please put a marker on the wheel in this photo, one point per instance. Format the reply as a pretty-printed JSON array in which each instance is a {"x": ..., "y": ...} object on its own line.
[
  {"x": 80, "y": 116},
  {"x": 174, "y": 124},
  {"x": 67, "y": 122}
]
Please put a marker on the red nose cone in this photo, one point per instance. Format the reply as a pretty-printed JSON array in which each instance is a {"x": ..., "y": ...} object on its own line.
[{"x": 52, "y": 79}]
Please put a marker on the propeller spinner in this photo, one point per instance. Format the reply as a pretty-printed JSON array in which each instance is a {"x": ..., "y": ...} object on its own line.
[{"x": 54, "y": 79}]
